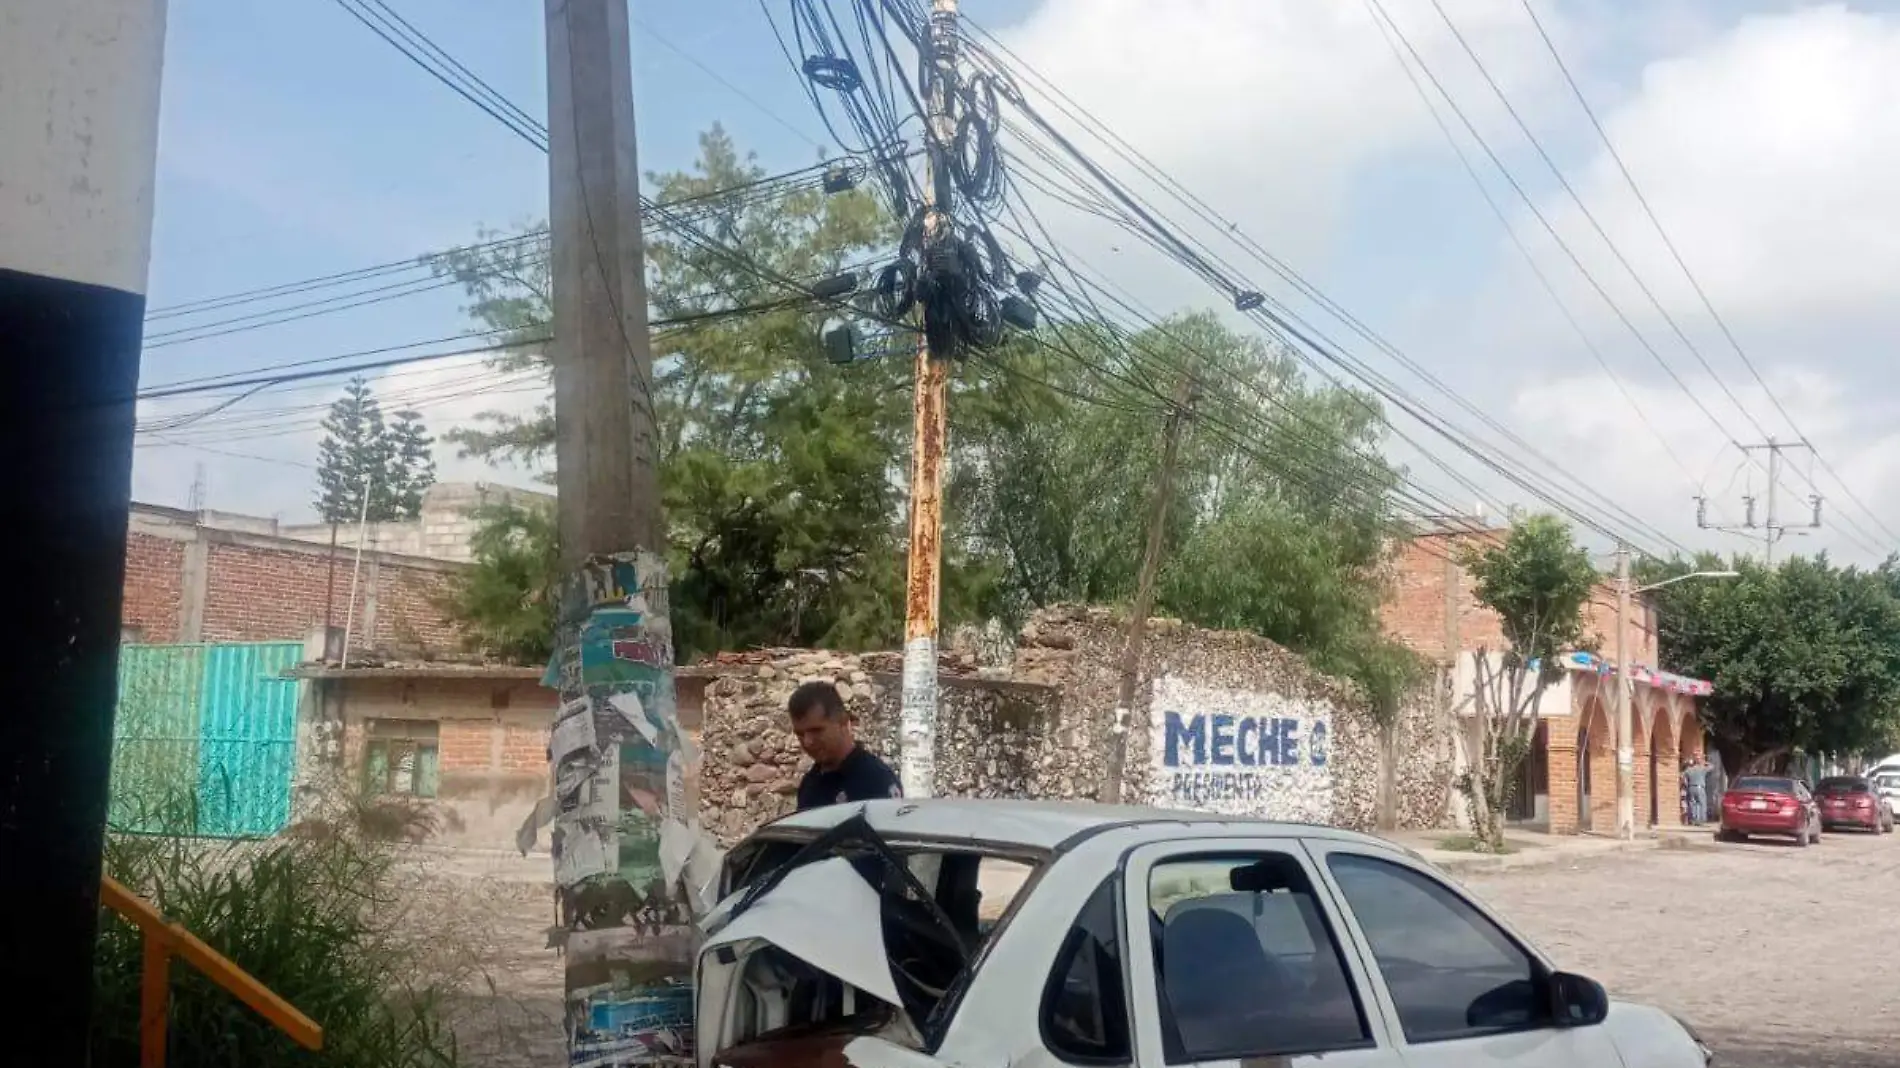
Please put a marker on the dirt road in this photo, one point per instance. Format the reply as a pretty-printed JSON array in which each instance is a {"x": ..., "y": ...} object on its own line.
[{"x": 1781, "y": 957}]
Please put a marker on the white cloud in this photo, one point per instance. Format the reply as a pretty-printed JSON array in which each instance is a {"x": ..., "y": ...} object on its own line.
[
  {"x": 1771, "y": 154},
  {"x": 1268, "y": 110},
  {"x": 258, "y": 457},
  {"x": 1769, "y": 151},
  {"x": 1586, "y": 422}
]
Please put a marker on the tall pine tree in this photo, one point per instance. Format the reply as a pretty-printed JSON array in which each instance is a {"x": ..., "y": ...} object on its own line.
[
  {"x": 411, "y": 464},
  {"x": 361, "y": 452}
]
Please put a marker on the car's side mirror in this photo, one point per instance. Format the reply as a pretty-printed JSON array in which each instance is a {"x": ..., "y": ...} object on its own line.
[{"x": 1576, "y": 1001}]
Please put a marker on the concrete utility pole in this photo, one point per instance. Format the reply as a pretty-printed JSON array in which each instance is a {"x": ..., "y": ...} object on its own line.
[
  {"x": 1625, "y": 723},
  {"x": 1772, "y": 529},
  {"x": 606, "y": 444},
  {"x": 930, "y": 431},
  {"x": 618, "y": 764},
  {"x": 1145, "y": 589},
  {"x": 79, "y": 86}
]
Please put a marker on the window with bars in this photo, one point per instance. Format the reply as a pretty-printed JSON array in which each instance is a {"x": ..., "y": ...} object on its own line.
[{"x": 400, "y": 757}]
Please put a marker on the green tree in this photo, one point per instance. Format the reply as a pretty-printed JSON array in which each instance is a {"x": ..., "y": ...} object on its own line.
[
  {"x": 778, "y": 468},
  {"x": 1537, "y": 580},
  {"x": 361, "y": 452},
  {"x": 411, "y": 464},
  {"x": 506, "y": 599},
  {"x": 1804, "y": 657},
  {"x": 353, "y": 459},
  {"x": 1278, "y": 525}
]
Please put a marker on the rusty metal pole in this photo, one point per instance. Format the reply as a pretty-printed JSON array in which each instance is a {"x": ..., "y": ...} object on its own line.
[
  {"x": 930, "y": 431},
  {"x": 1145, "y": 590}
]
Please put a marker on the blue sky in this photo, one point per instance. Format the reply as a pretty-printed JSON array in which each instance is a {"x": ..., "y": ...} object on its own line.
[{"x": 294, "y": 143}]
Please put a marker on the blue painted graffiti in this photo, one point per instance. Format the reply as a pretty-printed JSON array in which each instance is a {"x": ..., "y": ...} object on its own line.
[{"x": 1222, "y": 740}]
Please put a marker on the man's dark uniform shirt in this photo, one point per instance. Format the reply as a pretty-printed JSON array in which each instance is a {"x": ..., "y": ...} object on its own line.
[{"x": 860, "y": 777}]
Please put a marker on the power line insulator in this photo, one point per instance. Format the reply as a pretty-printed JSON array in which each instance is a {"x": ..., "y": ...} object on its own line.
[
  {"x": 1816, "y": 502},
  {"x": 1248, "y": 300}
]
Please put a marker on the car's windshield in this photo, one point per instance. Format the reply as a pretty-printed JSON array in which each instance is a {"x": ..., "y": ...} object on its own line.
[{"x": 1763, "y": 784}]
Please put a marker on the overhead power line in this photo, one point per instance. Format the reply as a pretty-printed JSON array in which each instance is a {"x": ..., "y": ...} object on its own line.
[
  {"x": 1695, "y": 284},
  {"x": 1301, "y": 340}
]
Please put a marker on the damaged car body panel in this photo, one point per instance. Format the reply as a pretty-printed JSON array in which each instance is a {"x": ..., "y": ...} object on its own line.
[
  {"x": 883, "y": 936},
  {"x": 841, "y": 938}
]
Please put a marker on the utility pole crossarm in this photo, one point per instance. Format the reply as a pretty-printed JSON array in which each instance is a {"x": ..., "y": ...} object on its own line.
[{"x": 1772, "y": 529}]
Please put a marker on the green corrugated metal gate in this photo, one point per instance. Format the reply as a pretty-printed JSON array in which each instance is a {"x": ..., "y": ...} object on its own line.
[{"x": 205, "y": 738}]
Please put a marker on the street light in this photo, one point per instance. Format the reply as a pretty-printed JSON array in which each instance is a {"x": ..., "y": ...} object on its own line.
[{"x": 1625, "y": 728}]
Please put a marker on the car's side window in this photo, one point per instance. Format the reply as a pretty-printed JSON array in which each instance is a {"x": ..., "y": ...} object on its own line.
[
  {"x": 1246, "y": 963},
  {"x": 1085, "y": 1005},
  {"x": 1452, "y": 973}
]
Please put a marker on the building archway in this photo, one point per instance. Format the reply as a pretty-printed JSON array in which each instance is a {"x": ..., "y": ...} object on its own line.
[
  {"x": 1689, "y": 741},
  {"x": 1596, "y": 767},
  {"x": 1642, "y": 765},
  {"x": 1665, "y": 767}
]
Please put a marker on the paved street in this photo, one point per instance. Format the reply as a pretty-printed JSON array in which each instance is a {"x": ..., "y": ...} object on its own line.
[{"x": 1781, "y": 957}]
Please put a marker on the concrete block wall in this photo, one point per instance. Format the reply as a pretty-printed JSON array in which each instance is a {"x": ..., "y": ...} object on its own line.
[{"x": 444, "y": 530}]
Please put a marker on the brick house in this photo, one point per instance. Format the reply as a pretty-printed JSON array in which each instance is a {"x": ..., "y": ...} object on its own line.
[
  {"x": 473, "y": 738},
  {"x": 216, "y": 577},
  {"x": 1567, "y": 784}
]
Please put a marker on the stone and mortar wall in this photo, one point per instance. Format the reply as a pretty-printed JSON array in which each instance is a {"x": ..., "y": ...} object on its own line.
[
  {"x": 996, "y": 738},
  {"x": 1040, "y": 727},
  {"x": 1079, "y": 650}
]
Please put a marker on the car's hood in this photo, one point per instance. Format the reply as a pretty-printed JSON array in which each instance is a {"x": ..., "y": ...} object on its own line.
[
  {"x": 1645, "y": 1035},
  {"x": 823, "y": 913}
]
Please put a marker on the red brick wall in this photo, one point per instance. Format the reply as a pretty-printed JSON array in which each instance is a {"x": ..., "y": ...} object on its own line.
[
  {"x": 1414, "y": 611},
  {"x": 465, "y": 744},
  {"x": 406, "y": 614},
  {"x": 524, "y": 745},
  {"x": 154, "y": 586},
  {"x": 254, "y": 595},
  {"x": 254, "y": 592}
]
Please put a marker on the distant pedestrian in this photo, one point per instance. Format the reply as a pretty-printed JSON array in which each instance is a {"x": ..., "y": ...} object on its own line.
[
  {"x": 1697, "y": 775},
  {"x": 841, "y": 769}
]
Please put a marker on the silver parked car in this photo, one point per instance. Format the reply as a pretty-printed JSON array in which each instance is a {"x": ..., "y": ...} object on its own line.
[{"x": 920, "y": 934}]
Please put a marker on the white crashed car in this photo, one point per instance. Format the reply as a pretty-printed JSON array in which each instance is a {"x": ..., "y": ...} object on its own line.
[{"x": 919, "y": 934}]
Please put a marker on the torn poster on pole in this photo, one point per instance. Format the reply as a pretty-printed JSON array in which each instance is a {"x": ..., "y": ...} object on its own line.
[{"x": 631, "y": 865}]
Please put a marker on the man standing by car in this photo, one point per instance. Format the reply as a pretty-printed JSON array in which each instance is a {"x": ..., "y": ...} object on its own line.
[{"x": 841, "y": 769}]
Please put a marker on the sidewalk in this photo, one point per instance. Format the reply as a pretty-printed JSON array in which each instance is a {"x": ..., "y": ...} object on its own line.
[{"x": 1527, "y": 848}]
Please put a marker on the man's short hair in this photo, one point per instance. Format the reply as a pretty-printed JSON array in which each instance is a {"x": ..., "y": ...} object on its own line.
[{"x": 822, "y": 696}]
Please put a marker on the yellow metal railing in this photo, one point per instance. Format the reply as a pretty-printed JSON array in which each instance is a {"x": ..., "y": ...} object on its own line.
[{"x": 164, "y": 940}]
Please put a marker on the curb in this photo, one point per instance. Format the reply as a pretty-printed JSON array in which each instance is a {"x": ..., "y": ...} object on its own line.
[{"x": 1538, "y": 858}]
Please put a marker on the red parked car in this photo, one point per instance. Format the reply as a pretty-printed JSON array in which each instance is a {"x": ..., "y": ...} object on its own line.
[
  {"x": 1851, "y": 801},
  {"x": 1770, "y": 804}
]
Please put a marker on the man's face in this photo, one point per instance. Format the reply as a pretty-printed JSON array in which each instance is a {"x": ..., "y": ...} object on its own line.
[{"x": 825, "y": 739}]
